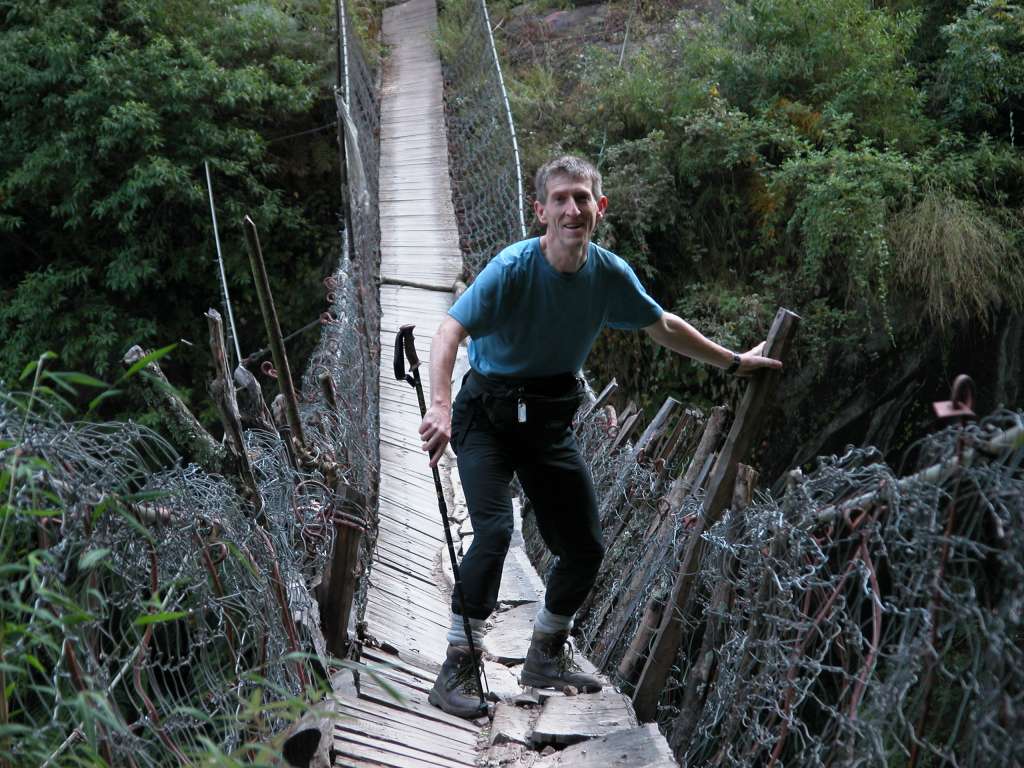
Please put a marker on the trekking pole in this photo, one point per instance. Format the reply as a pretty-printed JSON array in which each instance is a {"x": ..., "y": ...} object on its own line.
[{"x": 405, "y": 348}]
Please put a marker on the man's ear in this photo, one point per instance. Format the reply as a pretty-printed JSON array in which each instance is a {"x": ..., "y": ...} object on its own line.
[
  {"x": 602, "y": 205},
  {"x": 538, "y": 210}
]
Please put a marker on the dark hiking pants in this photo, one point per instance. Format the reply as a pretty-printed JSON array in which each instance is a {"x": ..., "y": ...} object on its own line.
[{"x": 493, "y": 443}]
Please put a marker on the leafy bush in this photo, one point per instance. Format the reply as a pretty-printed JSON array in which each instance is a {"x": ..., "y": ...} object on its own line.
[
  {"x": 981, "y": 78},
  {"x": 107, "y": 112},
  {"x": 795, "y": 153}
]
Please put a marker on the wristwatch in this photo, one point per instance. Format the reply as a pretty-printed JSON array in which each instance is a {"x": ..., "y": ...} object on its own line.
[{"x": 734, "y": 365}]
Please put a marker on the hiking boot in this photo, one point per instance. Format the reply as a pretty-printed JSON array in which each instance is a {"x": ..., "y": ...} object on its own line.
[
  {"x": 455, "y": 690},
  {"x": 550, "y": 664}
]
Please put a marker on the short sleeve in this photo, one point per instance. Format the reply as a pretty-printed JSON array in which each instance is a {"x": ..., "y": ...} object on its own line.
[
  {"x": 477, "y": 308},
  {"x": 629, "y": 305}
]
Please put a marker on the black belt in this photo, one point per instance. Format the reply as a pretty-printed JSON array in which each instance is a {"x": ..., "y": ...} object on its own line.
[{"x": 558, "y": 385}]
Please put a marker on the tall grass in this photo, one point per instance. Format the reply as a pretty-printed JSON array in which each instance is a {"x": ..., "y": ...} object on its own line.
[{"x": 958, "y": 257}]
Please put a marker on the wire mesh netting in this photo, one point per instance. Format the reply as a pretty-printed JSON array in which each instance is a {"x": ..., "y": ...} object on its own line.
[
  {"x": 144, "y": 610},
  {"x": 861, "y": 619},
  {"x": 153, "y": 613},
  {"x": 349, "y": 348},
  {"x": 484, "y": 160}
]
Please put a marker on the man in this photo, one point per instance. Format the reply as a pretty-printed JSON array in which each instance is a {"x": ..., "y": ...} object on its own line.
[{"x": 532, "y": 315}]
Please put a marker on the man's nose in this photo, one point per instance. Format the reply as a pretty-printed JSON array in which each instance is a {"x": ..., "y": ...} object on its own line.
[{"x": 571, "y": 208}]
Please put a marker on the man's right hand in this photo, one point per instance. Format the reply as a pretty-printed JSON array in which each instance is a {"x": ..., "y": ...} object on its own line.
[{"x": 436, "y": 431}]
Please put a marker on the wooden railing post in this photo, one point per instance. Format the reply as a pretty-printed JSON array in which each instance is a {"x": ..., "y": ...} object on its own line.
[
  {"x": 341, "y": 578},
  {"x": 745, "y": 428}
]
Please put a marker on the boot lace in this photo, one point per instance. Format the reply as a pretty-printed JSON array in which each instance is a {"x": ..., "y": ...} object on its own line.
[
  {"x": 564, "y": 657},
  {"x": 465, "y": 676}
]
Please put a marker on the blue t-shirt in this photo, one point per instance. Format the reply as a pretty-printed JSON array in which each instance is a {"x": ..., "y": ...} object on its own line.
[{"x": 527, "y": 319}]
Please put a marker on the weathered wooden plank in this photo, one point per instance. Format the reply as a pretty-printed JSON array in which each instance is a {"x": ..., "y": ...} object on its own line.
[
  {"x": 390, "y": 661},
  {"x": 374, "y": 734},
  {"x": 399, "y": 720},
  {"x": 392, "y": 757},
  {"x": 416, "y": 705},
  {"x": 642, "y": 747},
  {"x": 569, "y": 719},
  {"x": 419, "y": 242}
]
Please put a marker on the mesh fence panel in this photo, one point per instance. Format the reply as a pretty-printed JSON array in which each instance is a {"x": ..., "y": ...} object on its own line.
[
  {"x": 888, "y": 634},
  {"x": 483, "y": 157},
  {"x": 147, "y": 618},
  {"x": 153, "y": 608}
]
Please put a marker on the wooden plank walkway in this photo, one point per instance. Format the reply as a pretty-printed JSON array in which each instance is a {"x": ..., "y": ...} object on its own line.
[
  {"x": 407, "y": 606},
  {"x": 407, "y": 611}
]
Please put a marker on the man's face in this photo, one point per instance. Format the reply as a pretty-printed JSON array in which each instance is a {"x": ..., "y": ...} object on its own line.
[{"x": 571, "y": 211}]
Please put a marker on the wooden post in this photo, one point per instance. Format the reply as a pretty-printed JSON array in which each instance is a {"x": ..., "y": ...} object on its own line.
[
  {"x": 338, "y": 592},
  {"x": 602, "y": 398},
  {"x": 745, "y": 428},
  {"x": 627, "y": 426},
  {"x": 251, "y": 405},
  {"x": 655, "y": 540},
  {"x": 633, "y": 660},
  {"x": 656, "y": 429},
  {"x": 222, "y": 390},
  {"x": 184, "y": 429},
  {"x": 667, "y": 450},
  {"x": 699, "y": 674},
  {"x": 266, "y": 299},
  {"x": 710, "y": 439}
]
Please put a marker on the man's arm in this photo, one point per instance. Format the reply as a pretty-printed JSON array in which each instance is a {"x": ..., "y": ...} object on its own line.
[
  {"x": 673, "y": 332},
  {"x": 436, "y": 427}
]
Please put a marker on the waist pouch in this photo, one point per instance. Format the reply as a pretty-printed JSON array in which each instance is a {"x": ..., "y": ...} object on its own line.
[{"x": 529, "y": 404}]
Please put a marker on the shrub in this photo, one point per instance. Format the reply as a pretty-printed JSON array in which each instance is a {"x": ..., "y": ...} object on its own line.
[{"x": 981, "y": 78}]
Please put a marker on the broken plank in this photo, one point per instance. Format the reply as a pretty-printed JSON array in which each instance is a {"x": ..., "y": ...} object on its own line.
[
  {"x": 642, "y": 747},
  {"x": 569, "y": 719}
]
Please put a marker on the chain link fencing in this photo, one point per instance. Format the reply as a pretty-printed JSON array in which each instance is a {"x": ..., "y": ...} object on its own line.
[
  {"x": 148, "y": 619},
  {"x": 487, "y": 185},
  {"x": 863, "y": 618}
]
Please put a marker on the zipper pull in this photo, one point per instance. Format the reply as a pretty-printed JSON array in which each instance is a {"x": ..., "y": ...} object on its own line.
[{"x": 521, "y": 411}]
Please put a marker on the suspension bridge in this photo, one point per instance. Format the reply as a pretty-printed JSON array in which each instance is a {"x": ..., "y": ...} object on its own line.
[
  {"x": 406, "y": 610},
  {"x": 863, "y": 617}
]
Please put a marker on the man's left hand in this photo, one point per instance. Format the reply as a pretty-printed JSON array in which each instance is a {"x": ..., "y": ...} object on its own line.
[{"x": 754, "y": 359}]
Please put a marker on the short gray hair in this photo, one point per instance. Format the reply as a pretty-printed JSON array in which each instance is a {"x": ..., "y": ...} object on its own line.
[{"x": 568, "y": 165}]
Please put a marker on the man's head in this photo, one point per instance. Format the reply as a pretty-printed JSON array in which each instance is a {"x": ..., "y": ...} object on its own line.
[
  {"x": 570, "y": 166},
  {"x": 569, "y": 203}
]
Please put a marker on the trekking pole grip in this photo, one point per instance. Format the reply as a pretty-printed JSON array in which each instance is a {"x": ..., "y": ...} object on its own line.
[
  {"x": 405, "y": 346},
  {"x": 409, "y": 343}
]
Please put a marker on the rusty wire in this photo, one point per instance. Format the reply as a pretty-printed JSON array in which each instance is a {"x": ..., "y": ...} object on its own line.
[
  {"x": 149, "y": 609},
  {"x": 889, "y": 633}
]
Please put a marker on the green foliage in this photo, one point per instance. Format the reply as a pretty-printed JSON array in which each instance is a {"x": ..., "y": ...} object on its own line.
[
  {"x": 981, "y": 78},
  {"x": 58, "y": 591},
  {"x": 107, "y": 112},
  {"x": 795, "y": 153},
  {"x": 838, "y": 205},
  {"x": 958, "y": 257}
]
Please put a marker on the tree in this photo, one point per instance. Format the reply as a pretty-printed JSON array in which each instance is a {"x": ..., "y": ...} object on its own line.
[{"x": 108, "y": 109}]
